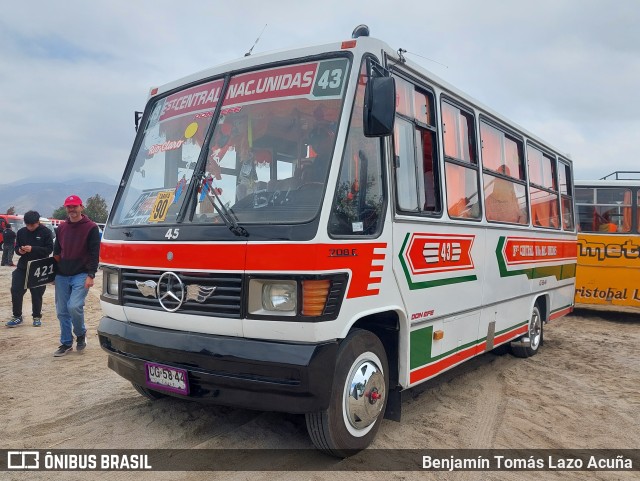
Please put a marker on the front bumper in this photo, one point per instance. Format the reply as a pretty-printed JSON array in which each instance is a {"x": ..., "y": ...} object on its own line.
[{"x": 247, "y": 373}]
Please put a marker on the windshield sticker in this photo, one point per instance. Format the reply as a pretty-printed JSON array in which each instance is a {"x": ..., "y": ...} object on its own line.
[
  {"x": 317, "y": 79},
  {"x": 195, "y": 99},
  {"x": 292, "y": 81},
  {"x": 191, "y": 130},
  {"x": 204, "y": 187},
  {"x": 180, "y": 187},
  {"x": 165, "y": 147},
  {"x": 161, "y": 206},
  {"x": 221, "y": 144},
  {"x": 313, "y": 80},
  {"x": 207, "y": 188},
  {"x": 140, "y": 210}
]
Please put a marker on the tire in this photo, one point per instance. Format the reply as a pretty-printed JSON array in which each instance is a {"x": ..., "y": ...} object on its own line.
[
  {"x": 148, "y": 393},
  {"x": 358, "y": 397},
  {"x": 534, "y": 335}
]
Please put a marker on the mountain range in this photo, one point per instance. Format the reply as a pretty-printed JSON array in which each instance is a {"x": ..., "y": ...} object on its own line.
[{"x": 47, "y": 197}]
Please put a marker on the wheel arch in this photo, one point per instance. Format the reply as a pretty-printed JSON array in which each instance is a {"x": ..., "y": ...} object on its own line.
[
  {"x": 386, "y": 326},
  {"x": 543, "y": 302}
]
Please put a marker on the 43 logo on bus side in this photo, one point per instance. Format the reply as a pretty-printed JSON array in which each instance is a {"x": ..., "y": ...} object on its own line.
[{"x": 431, "y": 253}]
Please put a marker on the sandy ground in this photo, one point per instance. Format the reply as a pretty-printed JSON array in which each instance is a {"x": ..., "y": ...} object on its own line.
[{"x": 580, "y": 391}]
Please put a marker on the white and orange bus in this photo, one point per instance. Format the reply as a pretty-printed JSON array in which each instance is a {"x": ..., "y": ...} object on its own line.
[
  {"x": 609, "y": 240},
  {"x": 316, "y": 230}
]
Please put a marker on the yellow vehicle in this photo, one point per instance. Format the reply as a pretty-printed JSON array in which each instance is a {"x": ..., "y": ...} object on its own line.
[{"x": 609, "y": 240}]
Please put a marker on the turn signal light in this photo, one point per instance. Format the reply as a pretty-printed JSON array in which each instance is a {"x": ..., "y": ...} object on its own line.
[
  {"x": 437, "y": 335},
  {"x": 314, "y": 296}
]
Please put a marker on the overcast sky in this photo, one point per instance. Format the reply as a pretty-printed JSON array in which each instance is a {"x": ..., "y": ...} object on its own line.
[{"x": 72, "y": 73}]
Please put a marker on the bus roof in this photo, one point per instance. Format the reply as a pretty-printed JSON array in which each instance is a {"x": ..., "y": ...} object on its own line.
[
  {"x": 358, "y": 46},
  {"x": 607, "y": 183}
]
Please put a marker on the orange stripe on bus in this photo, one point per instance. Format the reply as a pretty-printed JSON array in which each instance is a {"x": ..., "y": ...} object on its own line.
[
  {"x": 560, "y": 313},
  {"x": 437, "y": 367},
  {"x": 238, "y": 257}
]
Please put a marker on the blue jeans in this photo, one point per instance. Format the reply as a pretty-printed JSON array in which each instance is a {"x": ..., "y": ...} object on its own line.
[{"x": 70, "y": 296}]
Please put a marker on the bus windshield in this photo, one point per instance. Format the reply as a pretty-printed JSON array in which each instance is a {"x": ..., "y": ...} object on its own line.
[{"x": 268, "y": 158}]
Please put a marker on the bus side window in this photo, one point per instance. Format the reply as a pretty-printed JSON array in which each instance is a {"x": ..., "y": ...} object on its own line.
[
  {"x": 415, "y": 164},
  {"x": 587, "y": 218},
  {"x": 461, "y": 165},
  {"x": 462, "y": 192},
  {"x": 626, "y": 213},
  {"x": 543, "y": 188},
  {"x": 429, "y": 162},
  {"x": 566, "y": 196},
  {"x": 638, "y": 212},
  {"x": 544, "y": 208},
  {"x": 607, "y": 225},
  {"x": 359, "y": 199},
  {"x": 504, "y": 180},
  {"x": 405, "y": 166},
  {"x": 504, "y": 200}
]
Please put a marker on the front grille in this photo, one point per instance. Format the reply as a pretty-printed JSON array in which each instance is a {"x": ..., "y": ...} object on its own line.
[{"x": 225, "y": 301}]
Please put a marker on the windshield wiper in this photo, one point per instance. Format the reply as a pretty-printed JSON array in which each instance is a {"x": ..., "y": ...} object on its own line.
[{"x": 227, "y": 217}]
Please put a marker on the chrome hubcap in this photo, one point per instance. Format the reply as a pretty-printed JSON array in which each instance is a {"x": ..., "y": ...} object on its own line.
[
  {"x": 365, "y": 397},
  {"x": 535, "y": 330}
]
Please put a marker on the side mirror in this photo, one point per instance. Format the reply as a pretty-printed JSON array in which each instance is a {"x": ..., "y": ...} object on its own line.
[{"x": 379, "y": 106}]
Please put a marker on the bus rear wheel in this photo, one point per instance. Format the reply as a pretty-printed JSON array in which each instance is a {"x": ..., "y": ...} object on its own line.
[
  {"x": 530, "y": 343},
  {"x": 358, "y": 397}
]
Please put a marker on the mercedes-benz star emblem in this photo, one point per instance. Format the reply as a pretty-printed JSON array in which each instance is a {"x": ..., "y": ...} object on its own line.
[{"x": 170, "y": 291}]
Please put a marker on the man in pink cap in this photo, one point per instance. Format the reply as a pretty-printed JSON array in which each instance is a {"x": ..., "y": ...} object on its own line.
[{"x": 77, "y": 251}]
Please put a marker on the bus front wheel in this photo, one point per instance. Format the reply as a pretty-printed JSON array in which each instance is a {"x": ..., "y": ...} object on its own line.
[
  {"x": 358, "y": 397},
  {"x": 530, "y": 343}
]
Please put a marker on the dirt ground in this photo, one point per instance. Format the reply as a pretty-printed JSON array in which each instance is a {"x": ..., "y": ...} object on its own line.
[{"x": 580, "y": 391}]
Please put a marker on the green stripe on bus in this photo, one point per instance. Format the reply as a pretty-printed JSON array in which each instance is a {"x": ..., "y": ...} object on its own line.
[
  {"x": 422, "y": 343},
  {"x": 560, "y": 272}
]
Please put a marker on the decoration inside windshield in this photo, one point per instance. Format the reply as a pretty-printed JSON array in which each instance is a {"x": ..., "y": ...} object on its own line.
[{"x": 275, "y": 134}]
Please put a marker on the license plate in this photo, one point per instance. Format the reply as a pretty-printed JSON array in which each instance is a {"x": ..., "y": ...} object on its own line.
[{"x": 167, "y": 378}]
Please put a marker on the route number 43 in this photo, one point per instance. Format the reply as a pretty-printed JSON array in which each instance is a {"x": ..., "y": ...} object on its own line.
[
  {"x": 331, "y": 79},
  {"x": 172, "y": 234}
]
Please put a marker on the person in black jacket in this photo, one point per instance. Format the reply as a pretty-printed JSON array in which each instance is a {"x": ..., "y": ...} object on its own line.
[
  {"x": 34, "y": 241},
  {"x": 8, "y": 242}
]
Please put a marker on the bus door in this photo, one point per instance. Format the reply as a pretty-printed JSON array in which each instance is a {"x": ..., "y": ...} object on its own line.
[{"x": 438, "y": 262}]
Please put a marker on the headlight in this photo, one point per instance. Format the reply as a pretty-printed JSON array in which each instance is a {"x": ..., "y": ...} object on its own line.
[
  {"x": 112, "y": 284},
  {"x": 273, "y": 297},
  {"x": 279, "y": 297}
]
